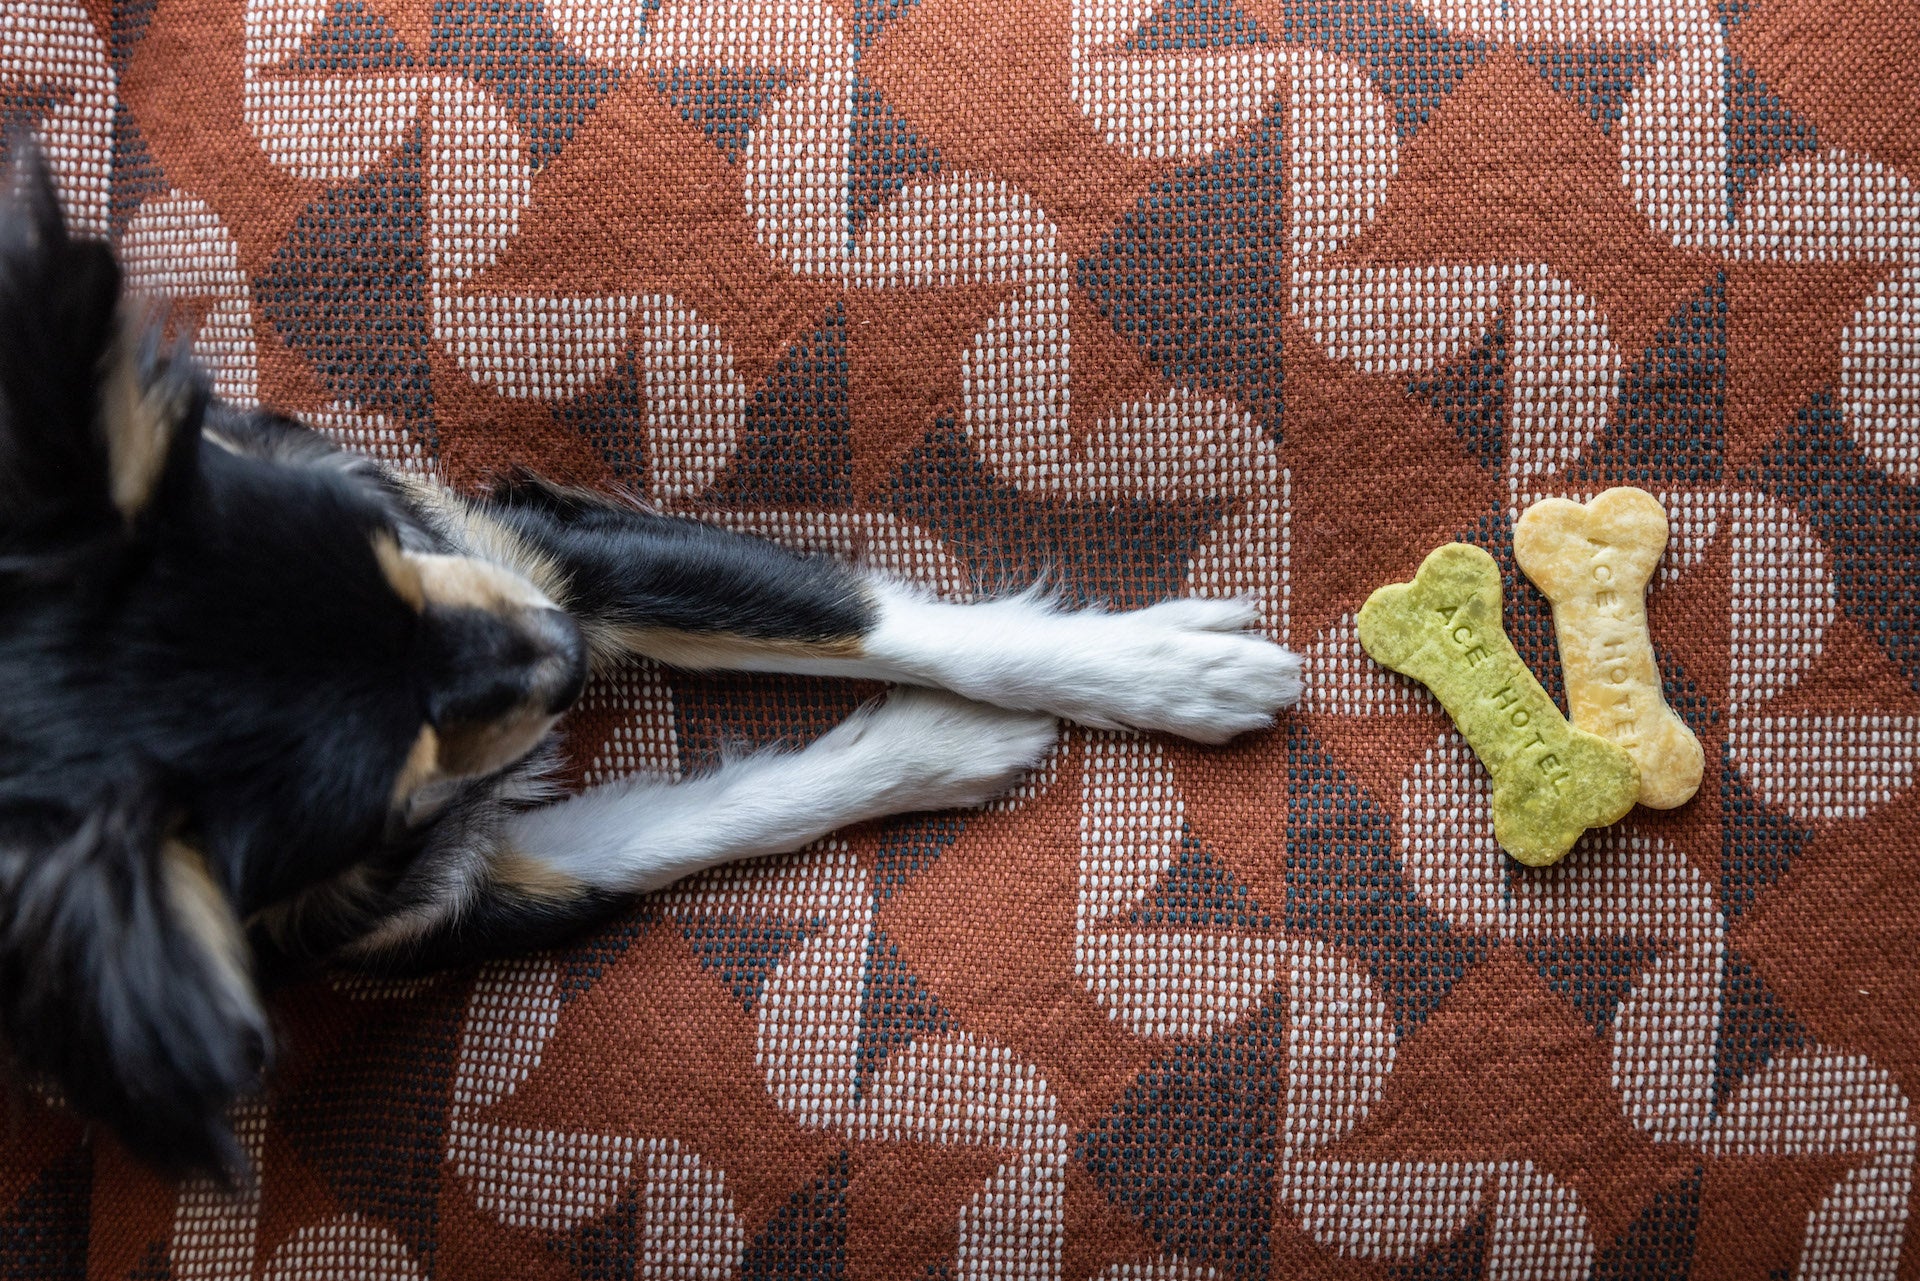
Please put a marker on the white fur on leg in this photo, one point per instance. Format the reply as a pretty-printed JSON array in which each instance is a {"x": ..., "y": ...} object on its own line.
[
  {"x": 1189, "y": 667},
  {"x": 917, "y": 750}
]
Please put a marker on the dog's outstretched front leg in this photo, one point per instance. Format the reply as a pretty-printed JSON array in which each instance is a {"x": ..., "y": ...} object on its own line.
[
  {"x": 1189, "y": 667},
  {"x": 914, "y": 750},
  {"x": 698, "y": 597},
  {"x": 549, "y": 872}
]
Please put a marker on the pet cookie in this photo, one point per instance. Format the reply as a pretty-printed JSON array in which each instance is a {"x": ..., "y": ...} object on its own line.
[
  {"x": 1593, "y": 562},
  {"x": 1551, "y": 781}
]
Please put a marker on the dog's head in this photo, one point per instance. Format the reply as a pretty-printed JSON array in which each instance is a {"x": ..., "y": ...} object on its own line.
[{"x": 224, "y": 677}]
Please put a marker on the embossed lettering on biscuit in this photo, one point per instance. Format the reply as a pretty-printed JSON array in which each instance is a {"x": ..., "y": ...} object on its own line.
[
  {"x": 1593, "y": 561},
  {"x": 1551, "y": 781}
]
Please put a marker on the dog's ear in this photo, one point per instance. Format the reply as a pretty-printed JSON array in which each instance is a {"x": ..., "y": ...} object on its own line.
[
  {"x": 124, "y": 980},
  {"x": 93, "y": 417}
]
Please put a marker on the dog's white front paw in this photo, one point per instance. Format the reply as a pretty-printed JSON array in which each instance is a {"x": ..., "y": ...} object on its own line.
[
  {"x": 937, "y": 750},
  {"x": 1188, "y": 667}
]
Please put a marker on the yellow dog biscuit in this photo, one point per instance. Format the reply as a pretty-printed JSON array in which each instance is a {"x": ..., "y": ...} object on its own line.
[
  {"x": 1551, "y": 781},
  {"x": 1593, "y": 561}
]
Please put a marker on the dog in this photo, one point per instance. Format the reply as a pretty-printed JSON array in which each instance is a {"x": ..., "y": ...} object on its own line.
[{"x": 270, "y": 706}]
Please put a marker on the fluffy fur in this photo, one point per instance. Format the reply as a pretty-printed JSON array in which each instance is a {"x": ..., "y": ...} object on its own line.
[{"x": 269, "y": 706}]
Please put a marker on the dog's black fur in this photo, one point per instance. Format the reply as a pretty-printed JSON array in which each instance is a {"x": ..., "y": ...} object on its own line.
[
  {"x": 264, "y": 703},
  {"x": 239, "y": 728}
]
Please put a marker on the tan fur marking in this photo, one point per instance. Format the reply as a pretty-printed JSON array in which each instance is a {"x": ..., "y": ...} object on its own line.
[
  {"x": 203, "y": 911},
  {"x": 469, "y": 582},
  {"x": 422, "y": 766},
  {"x": 497, "y": 543},
  {"x": 700, "y": 651},
  {"x": 343, "y": 893},
  {"x": 473, "y": 751},
  {"x": 524, "y": 874},
  {"x": 478, "y": 535},
  {"x": 401, "y": 572},
  {"x": 139, "y": 423},
  {"x": 462, "y": 752},
  {"x": 473, "y": 581}
]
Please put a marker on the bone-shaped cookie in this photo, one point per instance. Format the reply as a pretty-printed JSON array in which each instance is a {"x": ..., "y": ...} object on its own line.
[
  {"x": 1551, "y": 781},
  {"x": 1593, "y": 562}
]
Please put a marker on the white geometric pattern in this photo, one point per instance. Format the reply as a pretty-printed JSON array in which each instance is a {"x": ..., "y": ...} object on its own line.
[
  {"x": 1665, "y": 1031},
  {"x": 50, "y": 47},
  {"x": 1016, "y": 396}
]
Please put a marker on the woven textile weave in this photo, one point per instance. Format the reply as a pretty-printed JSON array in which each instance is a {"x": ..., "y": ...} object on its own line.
[{"x": 1149, "y": 297}]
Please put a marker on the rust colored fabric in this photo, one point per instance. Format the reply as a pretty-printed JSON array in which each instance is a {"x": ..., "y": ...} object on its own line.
[{"x": 1152, "y": 297}]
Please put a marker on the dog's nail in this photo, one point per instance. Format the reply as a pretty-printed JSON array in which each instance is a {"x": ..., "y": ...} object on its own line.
[
  {"x": 1593, "y": 561},
  {"x": 1551, "y": 781}
]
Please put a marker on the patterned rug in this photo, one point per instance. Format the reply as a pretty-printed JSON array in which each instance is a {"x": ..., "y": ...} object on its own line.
[{"x": 1150, "y": 297}]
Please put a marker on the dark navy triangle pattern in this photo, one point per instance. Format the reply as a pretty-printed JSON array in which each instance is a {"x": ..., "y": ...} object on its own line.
[
  {"x": 1470, "y": 394},
  {"x": 1659, "y": 1243},
  {"x": 1178, "y": 25},
  {"x": 1461, "y": 1258},
  {"x": 1188, "y": 1151},
  {"x": 131, "y": 18},
  {"x": 1527, "y": 615},
  {"x": 1762, "y": 131},
  {"x": 1598, "y": 76},
  {"x": 796, "y": 447},
  {"x": 371, "y": 1128},
  {"x": 1196, "y": 274},
  {"x": 348, "y": 288},
  {"x": 1683, "y": 696},
  {"x": 155, "y": 1265},
  {"x": 807, "y": 1237},
  {"x": 1757, "y": 846},
  {"x": 743, "y": 949},
  {"x": 1123, "y": 555},
  {"x": 586, "y": 963},
  {"x": 1344, "y": 886},
  {"x": 136, "y": 175},
  {"x": 1755, "y": 1027},
  {"x": 895, "y": 1009},
  {"x": 351, "y": 41},
  {"x": 605, "y": 1246},
  {"x": 22, "y": 109},
  {"x": 865, "y": 20},
  {"x": 43, "y": 1234},
  {"x": 724, "y": 102},
  {"x": 1199, "y": 893},
  {"x": 1593, "y": 972},
  {"x": 1669, "y": 424},
  {"x": 884, "y": 155},
  {"x": 1414, "y": 63},
  {"x": 1869, "y": 522},
  {"x": 909, "y": 848},
  {"x": 612, "y": 415},
  {"x": 510, "y": 47}
]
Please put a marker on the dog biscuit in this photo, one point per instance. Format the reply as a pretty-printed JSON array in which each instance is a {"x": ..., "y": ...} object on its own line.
[
  {"x": 1551, "y": 781},
  {"x": 1593, "y": 562}
]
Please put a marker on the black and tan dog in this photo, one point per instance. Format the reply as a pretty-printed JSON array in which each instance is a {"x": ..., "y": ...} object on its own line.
[{"x": 267, "y": 704}]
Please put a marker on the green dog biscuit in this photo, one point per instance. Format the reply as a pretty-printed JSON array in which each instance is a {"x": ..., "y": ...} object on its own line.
[{"x": 1551, "y": 781}]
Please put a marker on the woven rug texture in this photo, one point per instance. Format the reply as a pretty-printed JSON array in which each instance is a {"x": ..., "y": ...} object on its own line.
[{"x": 1147, "y": 298}]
